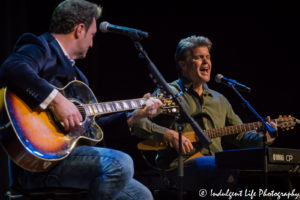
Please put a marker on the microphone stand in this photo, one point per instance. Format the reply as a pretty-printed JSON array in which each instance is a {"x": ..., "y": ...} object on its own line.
[
  {"x": 204, "y": 139},
  {"x": 266, "y": 128}
]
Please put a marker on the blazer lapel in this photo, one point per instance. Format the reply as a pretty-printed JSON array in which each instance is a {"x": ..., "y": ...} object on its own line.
[{"x": 66, "y": 64}]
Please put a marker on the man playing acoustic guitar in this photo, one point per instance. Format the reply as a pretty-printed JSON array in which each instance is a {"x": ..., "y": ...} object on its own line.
[
  {"x": 209, "y": 108},
  {"x": 37, "y": 64}
]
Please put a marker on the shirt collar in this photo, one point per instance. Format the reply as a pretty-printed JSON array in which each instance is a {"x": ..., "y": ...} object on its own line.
[
  {"x": 66, "y": 53},
  {"x": 186, "y": 84}
]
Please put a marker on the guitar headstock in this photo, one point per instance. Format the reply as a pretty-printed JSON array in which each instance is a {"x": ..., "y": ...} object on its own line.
[
  {"x": 285, "y": 122},
  {"x": 169, "y": 106}
]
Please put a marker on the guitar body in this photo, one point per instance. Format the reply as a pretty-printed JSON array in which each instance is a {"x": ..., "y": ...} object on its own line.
[{"x": 35, "y": 139}]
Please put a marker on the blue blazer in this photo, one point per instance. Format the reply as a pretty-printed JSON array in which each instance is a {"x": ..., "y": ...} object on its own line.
[{"x": 36, "y": 65}]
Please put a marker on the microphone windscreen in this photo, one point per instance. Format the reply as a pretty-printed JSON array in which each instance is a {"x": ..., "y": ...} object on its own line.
[
  {"x": 218, "y": 78},
  {"x": 103, "y": 27}
]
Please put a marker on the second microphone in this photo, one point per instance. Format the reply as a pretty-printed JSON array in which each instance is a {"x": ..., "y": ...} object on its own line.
[{"x": 134, "y": 34}]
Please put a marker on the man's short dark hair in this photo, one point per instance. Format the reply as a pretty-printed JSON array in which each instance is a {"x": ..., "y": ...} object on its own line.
[
  {"x": 185, "y": 46},
  {"x": 70, "y": 13}
]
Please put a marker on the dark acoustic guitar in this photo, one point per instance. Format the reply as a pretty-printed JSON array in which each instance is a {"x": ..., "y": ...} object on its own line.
[
  {"x": 283, "y": 122},
  {"x": 36, "y": 140}
]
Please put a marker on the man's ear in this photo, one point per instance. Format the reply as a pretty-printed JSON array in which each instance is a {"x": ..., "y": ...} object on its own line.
[{"x": 79, "y": 30}]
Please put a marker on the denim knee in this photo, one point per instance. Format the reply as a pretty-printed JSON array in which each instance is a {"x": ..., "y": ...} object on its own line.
[{"x": 126, "y": 163}]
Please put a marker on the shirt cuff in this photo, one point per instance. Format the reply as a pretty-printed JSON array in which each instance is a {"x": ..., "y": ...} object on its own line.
[{"x": 48, "y": 100}]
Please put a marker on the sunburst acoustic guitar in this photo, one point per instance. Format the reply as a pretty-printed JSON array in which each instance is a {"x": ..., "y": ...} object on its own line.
[{"x": 36, "y": 140}]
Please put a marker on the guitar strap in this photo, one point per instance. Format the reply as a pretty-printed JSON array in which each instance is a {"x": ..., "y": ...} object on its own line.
[{"x": 184, "y": 89}]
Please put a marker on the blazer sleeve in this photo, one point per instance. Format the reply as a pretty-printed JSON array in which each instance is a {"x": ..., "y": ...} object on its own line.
[{"x": 20, "y": 71}]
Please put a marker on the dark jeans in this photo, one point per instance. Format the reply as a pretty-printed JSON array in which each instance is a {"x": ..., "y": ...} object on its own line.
[{"x": 106, "y": 173}]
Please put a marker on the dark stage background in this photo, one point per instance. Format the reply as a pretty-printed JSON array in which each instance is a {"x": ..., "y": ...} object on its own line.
[{"x": 254, "y": 42}]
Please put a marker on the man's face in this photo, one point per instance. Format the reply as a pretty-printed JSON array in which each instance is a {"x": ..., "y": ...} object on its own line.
[
  {"x": 197, "y": 66},
  {"x": 86, "y": 40}
]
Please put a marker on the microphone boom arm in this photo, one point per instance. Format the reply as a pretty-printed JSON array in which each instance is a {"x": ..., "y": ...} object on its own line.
[{"x": 219, "y": 78}]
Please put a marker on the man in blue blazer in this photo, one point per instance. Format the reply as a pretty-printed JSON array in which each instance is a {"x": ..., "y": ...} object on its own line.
[{"x": 37, "y": 64}]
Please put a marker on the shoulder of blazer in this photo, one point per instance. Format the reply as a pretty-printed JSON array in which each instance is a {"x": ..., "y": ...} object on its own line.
[{"x": 29, "y": 38}]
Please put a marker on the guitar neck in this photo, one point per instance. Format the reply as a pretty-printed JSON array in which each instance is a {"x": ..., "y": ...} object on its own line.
[
  {"x": 282, "y": 122},
  {"x": 228, "y": 130},
  {"x": 112, "y": 107}
]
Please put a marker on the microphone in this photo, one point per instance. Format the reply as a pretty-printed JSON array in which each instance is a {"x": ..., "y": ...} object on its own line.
[
  {"x": 134, "y": 34},
  {"x": 219, "y": 78}
]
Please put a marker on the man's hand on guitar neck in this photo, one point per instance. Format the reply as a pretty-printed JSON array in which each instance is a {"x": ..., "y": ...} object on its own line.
[
  {"x": 270, "y": 139},
  {"x": 171, "y": 138},
  {"x": 66, "y": 111},
  {"x": 150, "y": 108}
]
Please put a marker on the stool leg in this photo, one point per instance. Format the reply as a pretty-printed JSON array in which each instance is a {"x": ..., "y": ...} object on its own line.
[{"x": 11, "y": 196}]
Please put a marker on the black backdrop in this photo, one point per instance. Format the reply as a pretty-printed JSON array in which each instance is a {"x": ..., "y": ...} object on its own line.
[{"x": 254, "y": 42}]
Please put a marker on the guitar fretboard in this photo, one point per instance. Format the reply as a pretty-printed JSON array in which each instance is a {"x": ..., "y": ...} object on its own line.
[
  {"x": 230, "y": 130},
  {"x": 282, "y": 122},
  {"x": 114, "y": 106}
]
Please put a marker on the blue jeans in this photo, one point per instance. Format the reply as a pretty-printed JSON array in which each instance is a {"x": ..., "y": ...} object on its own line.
[{"x": 106, "y": 173}]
